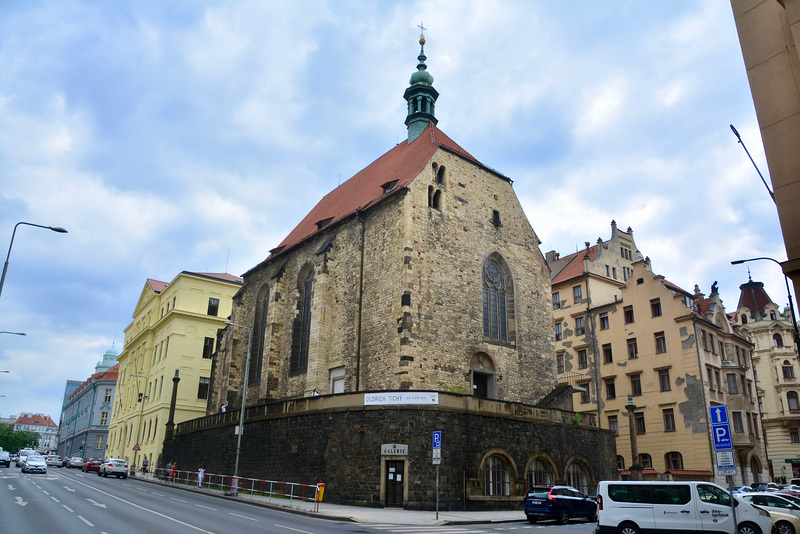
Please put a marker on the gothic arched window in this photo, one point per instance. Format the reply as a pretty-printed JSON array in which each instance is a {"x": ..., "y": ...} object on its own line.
[
  {"x": 259, "y": 336},
  {"x": 302, "y": 325},
  {"x": 497, "y": 300}
]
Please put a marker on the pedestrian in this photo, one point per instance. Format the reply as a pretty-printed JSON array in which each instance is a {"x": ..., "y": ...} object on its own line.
[
  {"x": 201, "y": 473},
  {"x": 224, "y": 407},
  {"x": 168, "y": 471},
  {"x": 145, "y": 463},
  {"x": 315, "y": 393},
  {"x": 174, "y": 470}
]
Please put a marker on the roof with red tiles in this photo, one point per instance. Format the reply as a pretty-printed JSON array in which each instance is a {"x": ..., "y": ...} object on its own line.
[
  {"x": 157, "y": 285},
  {"x": 754, "y": 297},
  {"x": 111, "y": 373},
  {"x": 674, "y": 287},
  {"x": 381, "y": 179},
  {"x": 35, "y": 419},
  {"x": 575, "y": 266}
]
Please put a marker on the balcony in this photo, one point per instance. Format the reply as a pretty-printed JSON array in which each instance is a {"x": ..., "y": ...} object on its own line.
[{"x": 744, "y": 441}]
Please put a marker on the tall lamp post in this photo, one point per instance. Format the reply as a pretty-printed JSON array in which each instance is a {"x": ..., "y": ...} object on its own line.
[
  {"x": 142, "y": 396},
  {"x": 5, "y": 266},
  {"x": 244, "y": 397},
  {"x": 788, "y": 292}
]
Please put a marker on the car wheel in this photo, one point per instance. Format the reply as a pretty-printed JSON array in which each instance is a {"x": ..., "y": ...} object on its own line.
[
  {"x": 748, "y": 528},
  {"x": 532, "y": 519},
  {"x": 563, "y": 516},
  {"x": 124, "y": 476},
  {"x": 593, "y": 517},
  {"x": 784, "y": 527},
  {"x": 628, "y": 528}
]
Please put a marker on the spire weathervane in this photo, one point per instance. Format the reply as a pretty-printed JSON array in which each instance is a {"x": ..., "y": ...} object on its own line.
[{"x": 422, "y": 29}]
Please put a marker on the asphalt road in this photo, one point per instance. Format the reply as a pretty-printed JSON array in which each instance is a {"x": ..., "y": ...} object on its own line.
[{"x": 68, "y": 501}]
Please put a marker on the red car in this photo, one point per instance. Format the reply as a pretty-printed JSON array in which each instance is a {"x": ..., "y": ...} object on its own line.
[{"x": 92, "y": 464}]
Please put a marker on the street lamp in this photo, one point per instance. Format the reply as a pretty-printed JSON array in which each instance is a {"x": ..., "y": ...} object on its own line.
[
  {"x": 5, "y": 267},
  {"x": 14, "y": 333},
  {"x": 142, "y": 396},
  {"x": 788, "y": 292},
  {"x": 771, "y": 194},
  {"x": 244, "y": 396}
]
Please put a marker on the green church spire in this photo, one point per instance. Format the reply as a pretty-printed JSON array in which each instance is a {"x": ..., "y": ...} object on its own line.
[{"x": 421, "y": 96}]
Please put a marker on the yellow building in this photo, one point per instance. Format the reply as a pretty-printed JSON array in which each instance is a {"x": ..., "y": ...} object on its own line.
[
  {"x": 174, "y": 329},
  {"x": 621, "y": 330},
  {"x": 778, "y": 382}
]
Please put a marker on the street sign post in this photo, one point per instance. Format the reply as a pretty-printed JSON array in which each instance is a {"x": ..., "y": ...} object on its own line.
[
  {"x": 723, "y": 446},
  {"x": 437, "y": 460}
]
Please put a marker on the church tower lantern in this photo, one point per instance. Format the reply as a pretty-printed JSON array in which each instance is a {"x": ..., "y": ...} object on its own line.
[{"x": 421, "y": 96}]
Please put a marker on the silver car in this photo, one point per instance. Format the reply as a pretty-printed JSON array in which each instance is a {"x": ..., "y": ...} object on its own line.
[{"x": 34, "y": 464}]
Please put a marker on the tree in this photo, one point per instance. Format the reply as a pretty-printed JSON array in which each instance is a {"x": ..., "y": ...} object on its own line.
[{"x": 13, "y": 441}]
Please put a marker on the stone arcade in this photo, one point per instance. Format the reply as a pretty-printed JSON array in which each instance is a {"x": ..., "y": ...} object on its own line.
[{"x": 414, "y": 298}]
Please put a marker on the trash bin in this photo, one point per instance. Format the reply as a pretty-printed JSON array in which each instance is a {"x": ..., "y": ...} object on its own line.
[{"x": 320, "y": 491}]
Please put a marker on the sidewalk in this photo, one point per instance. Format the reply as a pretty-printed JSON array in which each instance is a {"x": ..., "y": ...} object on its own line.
[{"x": 358, "y": 514}]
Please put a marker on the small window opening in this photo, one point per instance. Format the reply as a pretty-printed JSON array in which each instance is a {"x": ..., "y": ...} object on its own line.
[
  {"x": 440, "y": 175},
  {"x": 496, "y": 218},
  {"x": 323, "y": 223},
  {"x": 434, "y": 198},
  {"x": 389, "y": 186}
]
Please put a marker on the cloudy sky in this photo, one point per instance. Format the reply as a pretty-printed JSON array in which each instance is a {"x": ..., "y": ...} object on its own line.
[{"x": 191, "y": 135}]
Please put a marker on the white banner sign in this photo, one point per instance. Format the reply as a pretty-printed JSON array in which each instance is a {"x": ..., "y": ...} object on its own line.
[
  {"x": 394, "y": 449},
  {"x": 411, "y": 397}
]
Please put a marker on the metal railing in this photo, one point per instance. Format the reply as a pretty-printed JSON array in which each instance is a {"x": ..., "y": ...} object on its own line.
[{"x": 289, "y": 494}]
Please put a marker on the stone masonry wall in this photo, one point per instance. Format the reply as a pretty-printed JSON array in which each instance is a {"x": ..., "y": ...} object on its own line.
[{"x": 331, "y": 439}]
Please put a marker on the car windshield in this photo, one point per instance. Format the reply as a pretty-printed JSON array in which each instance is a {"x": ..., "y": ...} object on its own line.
[
  {"x": 539, "y": 493},
  {"x": 36, "y": 458}
]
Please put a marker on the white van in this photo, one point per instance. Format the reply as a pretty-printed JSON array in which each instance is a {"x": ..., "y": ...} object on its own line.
[{"x": 674, "y": 507}]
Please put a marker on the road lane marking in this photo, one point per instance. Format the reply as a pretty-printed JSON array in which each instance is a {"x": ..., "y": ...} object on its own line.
[
  {"x": 159, "y": 514},
  {"x": 94, "y": 502},
  {"x": 85, "y": 521},
  {"x": 294, "y": 529},
  {"x": 68, "y": 489},
  {"x": 21, "y": 502},
  {"x": 70, "y": 510},
  {"x": 55, "y": 499},
  {"x": 157, "y": 493},
  {"x": 12, "y": 488},
  {"x": 243, "y": 516},
  {"x": 179, "y": 500},
  {"x": 206, "y": 507},
  {"x": 45, "y": 492}
]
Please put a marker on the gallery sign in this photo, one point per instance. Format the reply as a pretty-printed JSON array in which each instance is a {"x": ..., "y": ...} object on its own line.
[
  {"x": 394, "y": 449},
  {"x": 394, "y": 398}
]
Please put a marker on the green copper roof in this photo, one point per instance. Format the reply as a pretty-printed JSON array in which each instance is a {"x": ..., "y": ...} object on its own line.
[{"x": 422, "y": 75}]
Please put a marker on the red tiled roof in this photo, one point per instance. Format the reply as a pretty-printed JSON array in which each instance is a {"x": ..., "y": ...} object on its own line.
[
  {"x": 35, "y": 419},
  {"x": 674, "y": 287},
  {"x": 110, "y": 374},
  {"x": 157, "y": 285},
  {"x": 753, "y": 297},
  {"x": 575, "y": 266},
  {"x": 402, "y": 164}
]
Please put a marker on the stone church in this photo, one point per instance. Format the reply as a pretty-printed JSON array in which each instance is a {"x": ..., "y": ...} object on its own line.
[{"x": 412, "y": 298}]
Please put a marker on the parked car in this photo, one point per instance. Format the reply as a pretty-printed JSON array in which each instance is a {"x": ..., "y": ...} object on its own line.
[
  {"x": 785, "y": 523},
  {"x": 742, "y": 489},
  {"x": 34, "y": 464},
  {"x": 558, "y": 502},
  {"x": 5, "y": 458},
  {"x": 765, "y": 486},
  {"x": 91, "y": 464},
  {"x": 627, "y": 507},
  {"x": 773, "y": 501},
  {"x": 75, "y": 461},
  {"x": 791, "y": 487},
  {"x": 113, "y": 466},
  {"x": 54, "y": 460}
]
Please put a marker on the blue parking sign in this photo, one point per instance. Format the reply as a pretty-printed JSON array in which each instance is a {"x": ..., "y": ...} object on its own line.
[
  {"x": 722, "y": 437},
  {"x": 437, "y": 439}
]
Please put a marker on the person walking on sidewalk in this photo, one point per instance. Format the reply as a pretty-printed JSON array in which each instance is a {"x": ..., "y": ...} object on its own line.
[{"x": 201, "y": 473}]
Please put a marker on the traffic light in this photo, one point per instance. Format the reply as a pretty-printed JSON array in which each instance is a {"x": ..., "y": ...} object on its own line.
[
  {"x": 140, "y": 397},
  {"x": 81, "y": 450}
]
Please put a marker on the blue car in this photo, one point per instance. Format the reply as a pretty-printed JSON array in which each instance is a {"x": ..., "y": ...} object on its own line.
[{"x": 561, "y": 503}]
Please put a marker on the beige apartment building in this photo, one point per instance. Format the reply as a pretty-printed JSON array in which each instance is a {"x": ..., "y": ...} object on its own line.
[
  {"x": 174, "y": 330},
  {"x": 775, "y": 361},
  {"x": 631, "y": 342}
]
